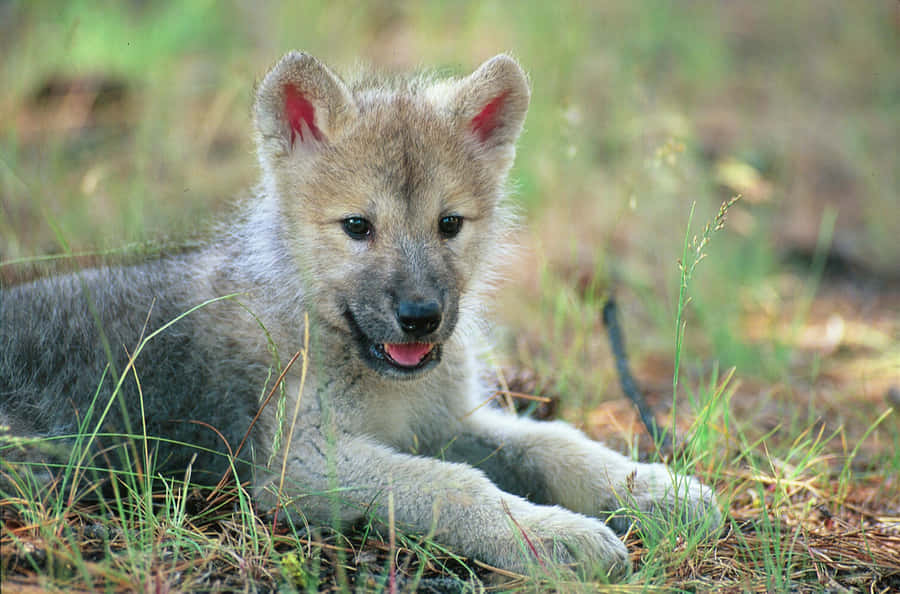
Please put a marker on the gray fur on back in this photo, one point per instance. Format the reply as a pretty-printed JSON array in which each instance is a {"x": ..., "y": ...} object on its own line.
[{"x": 52, "y": 358}]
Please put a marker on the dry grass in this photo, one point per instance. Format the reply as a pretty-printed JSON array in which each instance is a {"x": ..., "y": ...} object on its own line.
[{"x": 793, "y": 526}]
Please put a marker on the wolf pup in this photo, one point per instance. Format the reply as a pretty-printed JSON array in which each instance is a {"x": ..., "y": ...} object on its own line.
[{"x": 369, "y": 246}]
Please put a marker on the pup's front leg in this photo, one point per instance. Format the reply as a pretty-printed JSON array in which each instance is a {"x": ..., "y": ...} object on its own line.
[
  {"x": 554, "y": 463},
  {"x": 351, "y": 476}
]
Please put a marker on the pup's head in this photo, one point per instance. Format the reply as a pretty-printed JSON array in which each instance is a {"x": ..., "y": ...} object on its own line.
[{"x": 390, "y": 193}]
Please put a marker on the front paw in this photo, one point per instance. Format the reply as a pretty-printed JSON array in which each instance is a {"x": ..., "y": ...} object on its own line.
[
  {"x": 547, "y": 537},
  {"x": 654, "y": 493}
]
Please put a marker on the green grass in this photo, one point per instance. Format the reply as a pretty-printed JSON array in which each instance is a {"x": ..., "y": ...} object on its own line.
[{"x": 640, "y": 110}]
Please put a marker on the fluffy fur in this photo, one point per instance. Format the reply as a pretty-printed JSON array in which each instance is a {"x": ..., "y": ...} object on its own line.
[{"x": 352, "y": 225}]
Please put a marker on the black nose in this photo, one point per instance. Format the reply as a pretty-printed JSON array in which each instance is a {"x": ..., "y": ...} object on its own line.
[{"x": 419, "y": 318}]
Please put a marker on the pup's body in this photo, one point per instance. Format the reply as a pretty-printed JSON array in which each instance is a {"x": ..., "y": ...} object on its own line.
[{"x": 380, "y": 216}]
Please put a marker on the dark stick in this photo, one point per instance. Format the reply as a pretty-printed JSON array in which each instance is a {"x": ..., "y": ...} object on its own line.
[{"x": 629, "y": 387}]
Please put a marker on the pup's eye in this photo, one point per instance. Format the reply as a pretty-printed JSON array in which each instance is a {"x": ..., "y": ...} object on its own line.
[
  {"x": 450, "y": 225},
  {"x": 357, "y": 227}
]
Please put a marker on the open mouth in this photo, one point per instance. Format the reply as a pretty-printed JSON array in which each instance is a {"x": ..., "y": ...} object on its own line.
[
  {"x": 407, "y": 355},
  {"x": 397, "y": 359},
  {"x": 403, "y": 359}
]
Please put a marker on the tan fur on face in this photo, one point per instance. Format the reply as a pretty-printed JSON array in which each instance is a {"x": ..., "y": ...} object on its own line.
[{"x": 400, "y": 153}]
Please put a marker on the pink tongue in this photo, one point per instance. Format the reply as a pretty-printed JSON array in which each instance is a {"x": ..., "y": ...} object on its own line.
[{"x": 407, "y": 355}]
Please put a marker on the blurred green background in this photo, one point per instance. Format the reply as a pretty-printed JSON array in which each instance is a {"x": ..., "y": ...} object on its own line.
[{"x": 125, "y": 121}]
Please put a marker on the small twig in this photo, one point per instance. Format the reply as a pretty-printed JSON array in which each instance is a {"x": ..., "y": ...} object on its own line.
[
  {"x": 523, "y": 396},
  {"x": 662, "y": 440},
  {"x": 527, "y": 540},
  {"x": 392, "y": 540},
  {"x": 287, "y": 446},
  {"x": 262, "y": 407}
]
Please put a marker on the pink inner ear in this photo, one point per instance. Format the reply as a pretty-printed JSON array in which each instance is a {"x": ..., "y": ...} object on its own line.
[
  {"x": 297, "y": 109},
  {"x": 489, "y": 117}
]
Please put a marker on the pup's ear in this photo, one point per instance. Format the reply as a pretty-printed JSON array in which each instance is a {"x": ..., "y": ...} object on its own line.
[
  {"x": 299, "y": 105},
  {"x": 491, "y": 104}
]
